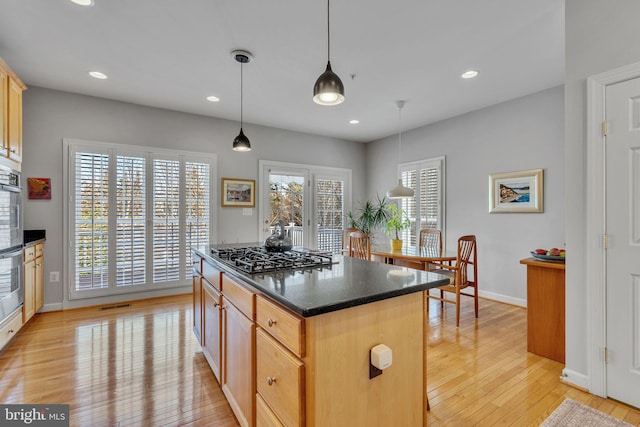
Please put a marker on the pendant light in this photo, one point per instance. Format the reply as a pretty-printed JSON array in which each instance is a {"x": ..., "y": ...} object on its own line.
[
  {"x": 328, "y": 89},
  {"x": 241, "y": 143},
  {"x": 400, "y": 191}
]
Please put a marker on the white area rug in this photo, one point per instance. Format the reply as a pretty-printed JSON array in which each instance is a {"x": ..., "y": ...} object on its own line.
[{"x": 571, "y": 413}]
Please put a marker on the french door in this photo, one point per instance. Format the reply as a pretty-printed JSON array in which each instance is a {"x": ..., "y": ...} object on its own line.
[{"x": 312, "y": 201}]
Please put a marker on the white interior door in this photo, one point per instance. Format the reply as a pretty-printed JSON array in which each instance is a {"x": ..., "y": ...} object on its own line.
[{"x": 622, "y": 108}]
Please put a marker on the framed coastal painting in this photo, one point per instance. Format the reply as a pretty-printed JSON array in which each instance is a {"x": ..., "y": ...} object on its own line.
[
  {"x": 516, "y": 192},
  {"x": 239, "y": 193}
]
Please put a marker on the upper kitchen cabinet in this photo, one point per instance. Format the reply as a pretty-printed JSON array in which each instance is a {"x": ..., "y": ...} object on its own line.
[{"x": 11, "y": 88}]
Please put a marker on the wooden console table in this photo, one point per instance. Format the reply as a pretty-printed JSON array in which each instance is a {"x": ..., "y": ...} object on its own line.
[{"x": 545, "y": 308}]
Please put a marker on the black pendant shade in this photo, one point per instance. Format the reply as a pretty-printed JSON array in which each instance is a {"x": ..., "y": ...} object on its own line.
[
  {"x": 328, "y": 89},
  {"x": 241, "y": 143}
]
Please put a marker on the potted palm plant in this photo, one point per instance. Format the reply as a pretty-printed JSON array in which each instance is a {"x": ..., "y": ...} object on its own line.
[
  {"x": 396, "y": 221},
  {"x": 369, "y": 216}
]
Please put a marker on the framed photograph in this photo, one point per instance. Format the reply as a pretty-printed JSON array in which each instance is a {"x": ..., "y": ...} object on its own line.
[
  {"x": 516, "y": 192},
  {"x": 39, "y": 188},
  {"x": 238, "y": 193}
]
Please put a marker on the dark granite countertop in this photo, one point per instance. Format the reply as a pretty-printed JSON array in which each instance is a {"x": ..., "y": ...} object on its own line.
[
  {"x": 31, "y": 237},
  {"x": 348, "y": 283}
]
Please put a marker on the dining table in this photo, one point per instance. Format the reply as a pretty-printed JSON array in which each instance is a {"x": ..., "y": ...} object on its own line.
[{"x": 411, "y": 256}]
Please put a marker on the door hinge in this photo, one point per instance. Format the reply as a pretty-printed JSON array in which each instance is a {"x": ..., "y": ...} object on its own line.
[
  {"x": 604, "y": 128},
  {"x": 604, "y": 354},
  {"x": 605, "y": 241}
]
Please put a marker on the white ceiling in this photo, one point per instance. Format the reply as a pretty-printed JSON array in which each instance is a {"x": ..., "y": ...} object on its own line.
[{"x": 172, "y": 54}]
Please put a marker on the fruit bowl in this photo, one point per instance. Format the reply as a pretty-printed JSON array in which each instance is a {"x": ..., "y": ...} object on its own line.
[{"x": 547, "y": 257}]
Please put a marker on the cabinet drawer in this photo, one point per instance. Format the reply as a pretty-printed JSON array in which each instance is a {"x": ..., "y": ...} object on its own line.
[
  {"x": 10, "y": 327},
  {"x": 240, "y": 296},
  {"x": 39, "y": 249},
  {"x": 211, "y": 273},
  {"x": 29, "y": 253},
  {"x": 284, "y": 326},
  {"x": 264, "y": 416},
  {"x": 280, "y": 380}
]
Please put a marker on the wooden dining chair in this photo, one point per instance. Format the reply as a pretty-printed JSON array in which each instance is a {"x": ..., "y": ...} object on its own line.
[
  {"x": 462, "y": 274},
  {"x": 430, "y": 241},
  {"x": 345, "y": 239},
  {"x": 360, "y": 245}
]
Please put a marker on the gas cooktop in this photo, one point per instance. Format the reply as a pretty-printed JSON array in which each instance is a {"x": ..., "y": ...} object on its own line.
[{"x": 256, "y": 259}]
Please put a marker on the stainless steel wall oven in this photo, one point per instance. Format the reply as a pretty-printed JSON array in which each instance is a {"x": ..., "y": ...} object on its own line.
[{"x": 11, "y": 235}]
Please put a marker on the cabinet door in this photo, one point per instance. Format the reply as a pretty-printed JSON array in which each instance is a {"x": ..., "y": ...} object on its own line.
[
  {"x": 15, "y": 121},
  {"x": 39, "y": 284},
  {"x": 29, "y": 290},
  {"x": 211, "y": 327},
  {"x": 197, "y": 307},
  {"x": 238, "y": 377}
]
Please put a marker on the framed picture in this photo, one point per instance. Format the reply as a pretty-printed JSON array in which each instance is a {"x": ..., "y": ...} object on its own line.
[
  {"x": 516, "y": 191},
  {"x": 239, "y": 193},
  {"x": 39, "y": 188}
]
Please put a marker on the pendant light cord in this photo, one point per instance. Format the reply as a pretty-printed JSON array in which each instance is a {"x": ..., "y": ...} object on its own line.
[
  {"x": 399, "y": 133},
  {"x": 328, "y": 35},
  {"x": 241, "y": 93}
]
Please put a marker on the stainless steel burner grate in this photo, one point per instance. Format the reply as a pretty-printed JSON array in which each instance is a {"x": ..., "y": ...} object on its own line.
[{"x": 256, "y": 259}]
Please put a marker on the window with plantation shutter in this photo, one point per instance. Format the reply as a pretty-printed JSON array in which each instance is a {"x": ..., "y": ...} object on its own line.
[
  {"x": 91, "y": 220},
  {"x": 166, "y": 220},
  {"x": 130, "y": 220},
  {"x": 197, "y": 200},
  {"x": 134, "y": 216},
  {"x": 426, "y": 208}
]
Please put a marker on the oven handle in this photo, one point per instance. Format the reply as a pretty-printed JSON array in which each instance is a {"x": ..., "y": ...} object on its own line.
[
  {"x": 11, "y": 254},
  {"x": 11, "y": 188}
]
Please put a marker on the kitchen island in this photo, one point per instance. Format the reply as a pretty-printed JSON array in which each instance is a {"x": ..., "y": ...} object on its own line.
[{"x": 292, "y": 346}]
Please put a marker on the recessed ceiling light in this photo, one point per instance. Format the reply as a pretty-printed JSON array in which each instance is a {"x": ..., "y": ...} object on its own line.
[
  {"x": 97, "y": 75},
  {"x": 213, "y": 98},
  {"x": 354, "y": 121},
  {"x": 83, "y": 2},
  {"x": 469, "y": 74}
]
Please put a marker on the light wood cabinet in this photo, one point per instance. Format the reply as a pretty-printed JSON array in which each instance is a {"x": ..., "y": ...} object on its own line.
[
  {"x": 281, "y": 369},
  {"x": 33, "y": 272},
  {"x": 212, "y": 327},
  {"x": 238, "y": 358},
  {"x": 546, "y": 308},
  {"x": 11, "y": 88}
]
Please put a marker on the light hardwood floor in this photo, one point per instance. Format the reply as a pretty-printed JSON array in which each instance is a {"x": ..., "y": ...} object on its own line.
[{"x": 140, "y": 365}]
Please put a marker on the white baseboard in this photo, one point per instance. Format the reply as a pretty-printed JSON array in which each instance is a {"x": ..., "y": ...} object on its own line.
[
  {"x": 503, "y": 298},
  {"x": 575, "y": 378},
  {"x": 51, "y": 307}
]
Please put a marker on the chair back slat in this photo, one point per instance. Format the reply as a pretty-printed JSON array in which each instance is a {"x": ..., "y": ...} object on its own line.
[
  {"x": 360, "y": 245},
  {"x": 466, "y": 250},
  {"x": 431, "y": 241}
]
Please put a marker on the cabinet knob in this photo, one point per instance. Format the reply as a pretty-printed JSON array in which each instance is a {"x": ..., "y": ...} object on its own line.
[
  {"x": 271, "y": 380},
  {"x": 215, "y": 304},
  {"x": 13, "y": 150},
  {"x": 271, "y": 322}
]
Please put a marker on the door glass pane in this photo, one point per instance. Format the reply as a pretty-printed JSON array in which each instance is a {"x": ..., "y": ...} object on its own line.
[
  {"x": 286, "y": 203},
  {"x": 329, "y": 214}
]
